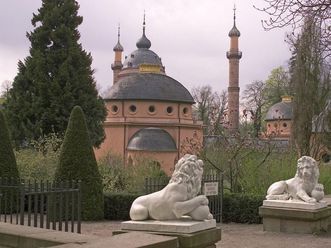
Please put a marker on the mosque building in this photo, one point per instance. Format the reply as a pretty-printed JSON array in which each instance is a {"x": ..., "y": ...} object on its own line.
[{"x": 149, "y": 113}]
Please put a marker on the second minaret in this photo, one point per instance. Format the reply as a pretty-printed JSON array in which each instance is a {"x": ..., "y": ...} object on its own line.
[{"x": 234, "y": 55}]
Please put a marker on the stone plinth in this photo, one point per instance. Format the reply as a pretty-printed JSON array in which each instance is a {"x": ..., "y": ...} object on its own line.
[
  {"x": 295, "y": 219},
  {"x": 169, "y": 226},
  {"x": 295, "y": 204},
  {"x": 190, "y": 234}
]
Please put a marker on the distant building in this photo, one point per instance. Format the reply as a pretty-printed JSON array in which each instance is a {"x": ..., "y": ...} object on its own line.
[
  {"x": 149, "y": 113},
  {"x": 279, "y": 119}
]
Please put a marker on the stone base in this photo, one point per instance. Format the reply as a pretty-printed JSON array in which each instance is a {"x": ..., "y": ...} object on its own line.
[
  {"x": 190, "y": 234},
  {"x": 295, "y": 204},
  {"x": 168, "y": 226},
  {"x": 294, "y": 220}
]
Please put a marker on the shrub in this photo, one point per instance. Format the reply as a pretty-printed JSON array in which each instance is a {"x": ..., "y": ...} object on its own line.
[
  {"x": 33, "y": 165},
  {"x": 325, "y": 177},
  {"x": 8, "y": 166},
  {"x": 242, "y": 208},
  {"x": 117, "y": 205},
  {"x": 77, "y": 162},
  {"x": 39, "y": 159},
  {"x": 117, "y": 177}
]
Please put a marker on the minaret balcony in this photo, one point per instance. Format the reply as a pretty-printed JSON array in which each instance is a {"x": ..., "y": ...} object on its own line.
[
  {"x": 117, "y": 65},
  {"x": 234, "y": 54}
]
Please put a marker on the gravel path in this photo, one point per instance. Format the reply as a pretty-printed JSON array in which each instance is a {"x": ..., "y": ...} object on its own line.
[{"x": 235, "y": 236}]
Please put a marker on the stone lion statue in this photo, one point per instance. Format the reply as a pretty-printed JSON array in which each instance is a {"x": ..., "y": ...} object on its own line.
[
  {"x": 178, "y": 198},
  {"x": 304, "y": 186}
]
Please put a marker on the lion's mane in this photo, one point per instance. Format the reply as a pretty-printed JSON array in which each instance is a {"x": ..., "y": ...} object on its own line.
[
  {"x": 313, "y": 164},
  {"x": 188, "y": 170}
]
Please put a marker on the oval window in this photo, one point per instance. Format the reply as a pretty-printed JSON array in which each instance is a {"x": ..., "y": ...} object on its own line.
[
  {"x": 151, "y": 109},
  {"x": 170, "y": 110},
  {"x": 114, "y": 109},
  {"x": 185, "y": 111},
  {"x": 133, "y": 108}
]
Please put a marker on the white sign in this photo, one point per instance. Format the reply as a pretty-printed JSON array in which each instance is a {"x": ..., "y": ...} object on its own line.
[{"x": 210, "y": 188}]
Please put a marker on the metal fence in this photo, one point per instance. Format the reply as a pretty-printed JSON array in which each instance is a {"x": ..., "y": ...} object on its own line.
[
  {"x": 211, "y": 186},
  {"x": 50, "y": 205}
]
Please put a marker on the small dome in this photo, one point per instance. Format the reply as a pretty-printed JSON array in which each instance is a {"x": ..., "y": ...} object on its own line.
[
  {"x": 144, "y": 42},
  {"x": 280, "y": 111},
  {"x": 118, "y": 47},
  {"x": 234, "y": 32},
  {"x": 149, "y": 86},
  {"x": 152, "y": 139},
  {"x": 142, "y": 56}
]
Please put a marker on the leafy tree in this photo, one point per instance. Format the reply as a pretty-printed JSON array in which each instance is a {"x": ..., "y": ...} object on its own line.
[
  {"x": 210, "y": 108},
  {"x": 255, "y": 98},
  {"x": 292, "y": 13},
  {"x": 55, "y": 77},
  {"x": 277, "y": 85},
  {"x": 8, "y": 166},
  {"x": 307, "y": 80},
  {"x": 77, "y": 162}
]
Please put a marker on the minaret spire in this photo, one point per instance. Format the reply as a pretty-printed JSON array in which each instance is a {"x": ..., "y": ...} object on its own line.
[
  {"x": 118, "y": 49},
  {"x": 144, "y": 22},
  {"x": 144, "y": 42},
  {"x": 234, "y": 15},
  {"x": 234, "y": 55},
  {"x": 118, "y": 33}
]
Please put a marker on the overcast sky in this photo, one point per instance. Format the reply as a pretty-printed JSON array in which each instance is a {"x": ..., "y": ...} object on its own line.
[{"x": 191, "y": 37}]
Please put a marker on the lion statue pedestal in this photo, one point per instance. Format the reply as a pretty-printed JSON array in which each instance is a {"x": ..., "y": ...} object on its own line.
[
  {"x": 296, "y": 205},
  {"x": 177, "y": 210}
]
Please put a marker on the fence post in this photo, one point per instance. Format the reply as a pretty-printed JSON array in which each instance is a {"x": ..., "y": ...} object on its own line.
[
  {"x": 22, "y": 195},
  {"x": 221, "y": 194},
  {"x": 79, "y": 207}
]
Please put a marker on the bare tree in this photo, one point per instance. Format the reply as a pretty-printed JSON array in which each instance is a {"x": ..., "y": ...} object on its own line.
[
  {"x": 254, "y": 97},
  {"x": 210, "y": 107},
  {"x": 5, "y": 87},
  {"x": 217, "y": 112},
  {"x": 292, "y": 13}
]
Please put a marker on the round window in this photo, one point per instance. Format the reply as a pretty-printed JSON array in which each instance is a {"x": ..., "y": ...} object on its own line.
[
  {"x": 151, "y": 109},
  {"x": 114, "y": 109},
  {"x": 133, "y": 108},
  {"x": 284, "y": 124},
  {"x": 170, "y": 110},
  {"x": 185, "y": 111}
]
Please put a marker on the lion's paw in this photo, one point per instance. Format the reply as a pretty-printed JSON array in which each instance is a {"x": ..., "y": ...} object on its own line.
[
  {"x": 311, "y": 200},
  {"x": 203, "y": 200}
]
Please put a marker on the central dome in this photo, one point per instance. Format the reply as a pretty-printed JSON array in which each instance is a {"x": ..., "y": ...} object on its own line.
[{"x": 149, "y": 86}]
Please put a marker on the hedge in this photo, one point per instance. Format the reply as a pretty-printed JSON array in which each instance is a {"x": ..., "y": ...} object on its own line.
[
  {"x": 117, "y": 205},
  {"x": 240, "y": 208}
]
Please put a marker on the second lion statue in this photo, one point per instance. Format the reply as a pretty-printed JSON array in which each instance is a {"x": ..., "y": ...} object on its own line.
[
  {"x": 303, "y": 186},
  {"x": 180, "y": 197}
]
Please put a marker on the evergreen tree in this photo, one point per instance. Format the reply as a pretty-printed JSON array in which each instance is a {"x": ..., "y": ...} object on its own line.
[
  {"x": 8, "y": 166},
  {"x": 54, "y": 78},
  {"x": 77, "y": 162}
]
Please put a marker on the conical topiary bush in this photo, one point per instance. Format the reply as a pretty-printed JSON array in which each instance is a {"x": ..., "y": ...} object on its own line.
[
  {"x": 77, "y": 162},
  {"x": 8, "y": 166}
]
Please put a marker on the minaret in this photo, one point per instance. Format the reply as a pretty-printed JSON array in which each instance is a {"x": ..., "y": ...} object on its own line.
[
  {"x": 117, "y": 65},
  {"x": 234, "y": 56}
]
